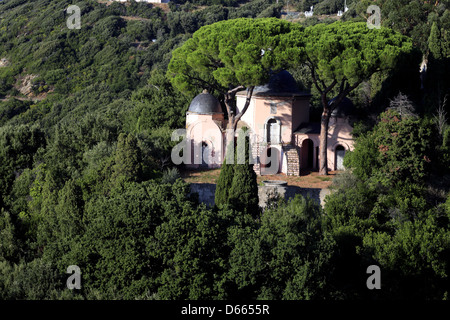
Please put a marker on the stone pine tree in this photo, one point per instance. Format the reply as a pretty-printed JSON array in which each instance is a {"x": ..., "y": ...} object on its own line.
[{"x": 340, "y": 56}]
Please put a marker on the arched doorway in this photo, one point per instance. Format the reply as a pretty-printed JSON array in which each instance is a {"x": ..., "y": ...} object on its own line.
[
  {"x": 270, "y": 161},
  {"x": 206, "y": 155},
  {"x": 307, "y": 154},
  {"x": 340, "y": 153}
]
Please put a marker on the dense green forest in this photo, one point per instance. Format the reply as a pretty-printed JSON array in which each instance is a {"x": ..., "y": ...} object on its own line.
[{"x": 86, "y": 118}]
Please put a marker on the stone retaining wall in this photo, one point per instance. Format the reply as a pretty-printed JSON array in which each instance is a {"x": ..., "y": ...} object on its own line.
[{"x": 206, "y": 192}]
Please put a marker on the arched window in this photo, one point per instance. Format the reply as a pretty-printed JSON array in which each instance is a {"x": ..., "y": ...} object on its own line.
[{"x": 273, "y": 131}]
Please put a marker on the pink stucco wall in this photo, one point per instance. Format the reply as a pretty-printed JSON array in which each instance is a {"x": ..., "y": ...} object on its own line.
[
  {"x": 339, "y": 134},
  {"x": 205, "y": 128},
  {"x": 290, "y": 112}
]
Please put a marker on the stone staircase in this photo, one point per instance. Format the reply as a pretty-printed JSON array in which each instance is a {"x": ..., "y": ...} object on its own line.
[
  {"x": 255, "y": 153},
  {"x": 293, "y": 160}
]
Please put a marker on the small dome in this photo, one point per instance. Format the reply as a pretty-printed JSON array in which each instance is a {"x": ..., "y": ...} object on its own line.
[
  {"x": 205, "y": 103},
  {"x": 344, "y": 109},
  {"x": 281, "y": 83}
]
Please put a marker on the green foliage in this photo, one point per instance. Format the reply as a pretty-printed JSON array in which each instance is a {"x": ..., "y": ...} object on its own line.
[
  {"x": 190, "y": 245},
  {"x": 284, "y": 256},
  {"x": 351, "y": 205},
  {"x": 447, "y": 205},
  {"x": 398, "y": 149},
  {"x": 209, "y": 2},
  {"x": 69, "y": 142},
  {"x": 112, "y": 251},
  {"x": 434, "y": 42},
  {"x": 414, "y": 259},
  {"x": 18, "y": 146},
  {"x": 394, "y": 229},
  {"x": 381, "y": 213},
  {"x": 223, "y": 184},
  {"x": 256, "y": 9},
  {"x": 426, "y": 23},
  {"x": 329, "y": 6},
  {"x": 410, "y": 17},
  {"x": 444, "y": 151},
  {"x": 36, "y": 280},
  {"x": 7, "y": 80},
  {"x": 9, "y": 247},
  {"x": 340, "y": 56},
  {"x": 61, "y": 224},
  {"x": 243, "y": 192},
  {"x": 85, "y": 174},
  {"x": 128, "y": 160},
  {"x": 363, "y": 160},
  {"x": 237, "y": 186},
  {"x": 12, "y": 108},
  {"x": 156, "y": 148},
  {"x": 346, "y": 51},
  {"x": 158, "y": 103},
  {"x": 170, "y": 176}
]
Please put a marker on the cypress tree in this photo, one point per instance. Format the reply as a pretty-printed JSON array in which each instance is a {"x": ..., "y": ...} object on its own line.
[
  {"x": 224, "y": 184},
  {"x": 434, "y": 42},
  {"x": 243, "y": 194},
  {"x": 128, "y": 160}
]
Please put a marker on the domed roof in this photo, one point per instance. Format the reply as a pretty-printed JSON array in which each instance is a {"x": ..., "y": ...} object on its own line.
[
  {"x": 281, "y": 83},
  {"x": 205, "y": 103},
  {"x": 344, "y": 109}
]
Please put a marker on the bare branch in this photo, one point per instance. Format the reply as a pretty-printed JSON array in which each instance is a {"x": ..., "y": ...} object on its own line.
[
  {"x": 229, "y": 100},
  {"x": 349, "y": 88},
  {"x": 441, "y": 117},
  {"x": 235, "y": 90},
  {"x": 313, "y": 74},
  {"x": 343, "y": 93},
  {"x": 330, "y": 87}
]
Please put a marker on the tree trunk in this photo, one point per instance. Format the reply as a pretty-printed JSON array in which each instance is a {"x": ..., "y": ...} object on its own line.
[{"x": 323, "y": 142}]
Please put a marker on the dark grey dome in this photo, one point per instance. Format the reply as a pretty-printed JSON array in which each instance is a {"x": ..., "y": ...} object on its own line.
[
  {"x": 205, "y": 103},
  {"x": 281, "y": 83},
  {"x": 344, "y": 109}
]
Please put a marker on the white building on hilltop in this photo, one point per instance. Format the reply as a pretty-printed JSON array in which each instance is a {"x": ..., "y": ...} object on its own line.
[{"x": 310, "y": 12}]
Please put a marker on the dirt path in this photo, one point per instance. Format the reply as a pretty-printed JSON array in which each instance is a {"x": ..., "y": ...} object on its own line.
[{"x": 307, "y": 179}]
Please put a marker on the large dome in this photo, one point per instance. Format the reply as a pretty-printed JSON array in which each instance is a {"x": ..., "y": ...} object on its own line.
[
  {"x": 344, "y": 109},
  {"x": 281, "y": 83},
  {"x": 205, "y": 103}
]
